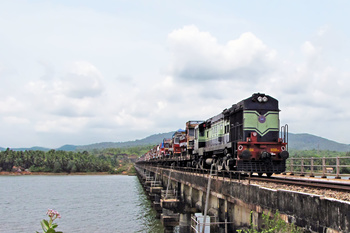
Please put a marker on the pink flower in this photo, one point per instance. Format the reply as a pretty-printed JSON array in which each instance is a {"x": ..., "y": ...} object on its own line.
[{"x": 53, "y": 214}]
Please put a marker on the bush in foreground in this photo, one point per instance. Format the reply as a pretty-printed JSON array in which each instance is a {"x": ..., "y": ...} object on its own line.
[{"x": 273, "y": 224}]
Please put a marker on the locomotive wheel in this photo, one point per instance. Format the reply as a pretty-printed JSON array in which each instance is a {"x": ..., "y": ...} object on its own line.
[{"x": 269, "y": 174}]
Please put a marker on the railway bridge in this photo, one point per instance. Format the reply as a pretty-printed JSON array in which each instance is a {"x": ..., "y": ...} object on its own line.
[{"x": 234, "y": 204}]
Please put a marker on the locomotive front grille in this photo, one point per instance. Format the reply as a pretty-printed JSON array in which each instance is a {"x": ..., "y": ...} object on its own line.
[{"x": 262, "y": 166}]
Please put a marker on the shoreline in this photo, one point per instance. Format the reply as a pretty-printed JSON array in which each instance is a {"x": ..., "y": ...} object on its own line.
[{"x": 4, "y": 173}]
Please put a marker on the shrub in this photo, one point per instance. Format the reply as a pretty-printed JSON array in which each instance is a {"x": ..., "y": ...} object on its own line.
[{"x": 273, "y": 224}]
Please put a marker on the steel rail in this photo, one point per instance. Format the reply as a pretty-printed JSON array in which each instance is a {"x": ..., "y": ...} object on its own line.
[
  {"x": 315, "y": 183},
  {"x": 342, "y": 186}
]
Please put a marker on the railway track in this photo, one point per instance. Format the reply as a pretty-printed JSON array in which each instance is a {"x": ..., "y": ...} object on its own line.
[
  {"x": 315, "y": 183},
  {"x": 306, "y": 182}
]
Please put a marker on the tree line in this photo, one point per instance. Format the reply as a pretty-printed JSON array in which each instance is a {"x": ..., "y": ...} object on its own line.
[{"x": 106, "y": 160}]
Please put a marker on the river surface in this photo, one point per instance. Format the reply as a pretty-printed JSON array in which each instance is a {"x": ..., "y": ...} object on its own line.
[{"x": 97, "y": 203}]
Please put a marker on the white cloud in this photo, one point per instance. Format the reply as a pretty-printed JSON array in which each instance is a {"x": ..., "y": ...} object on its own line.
[
  {"x": 14, "y": 120},
  {"x": 72, "y": 94},
  {"x": 61, "y": 125},
  {"x": 82, "y": 80},
  {"x": 308, "y": 49},
  {"x": 11, "y": 104},
  {"x": 197, "y": 55}
]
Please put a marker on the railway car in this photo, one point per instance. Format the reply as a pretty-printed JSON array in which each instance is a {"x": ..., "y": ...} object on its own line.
[
  {"x": 187, "y": 139},
  {"x": 245, "y": 137},
  {"x": 164, "y": 148},
  {"x": 176, "y": 141}
]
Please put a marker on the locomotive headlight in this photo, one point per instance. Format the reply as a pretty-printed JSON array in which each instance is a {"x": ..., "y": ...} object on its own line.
[
  {"x": 260, "y": 99},
  {"x": 265, "y": 99}
]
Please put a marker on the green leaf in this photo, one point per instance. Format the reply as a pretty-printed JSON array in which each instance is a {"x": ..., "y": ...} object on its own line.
[
  {"x": 44, "y": 225},
  {"x": 50, "y": 230}
]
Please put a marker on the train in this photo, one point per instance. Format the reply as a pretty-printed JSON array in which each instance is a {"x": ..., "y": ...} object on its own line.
[{"x": 245, "y": 137}]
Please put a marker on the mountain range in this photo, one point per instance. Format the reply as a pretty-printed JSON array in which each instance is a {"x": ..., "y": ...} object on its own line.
[{"x": 295, "y": 141}]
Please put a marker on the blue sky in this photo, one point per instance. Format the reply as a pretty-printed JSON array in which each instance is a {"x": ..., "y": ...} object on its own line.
[{"x": 81, "y": 72}]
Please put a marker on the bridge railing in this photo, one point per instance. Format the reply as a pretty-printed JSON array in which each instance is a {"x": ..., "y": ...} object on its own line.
[{"x": 334, "y": 167}]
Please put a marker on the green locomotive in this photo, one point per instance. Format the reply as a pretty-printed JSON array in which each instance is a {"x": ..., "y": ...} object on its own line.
[{"x": 244, "y": 137}]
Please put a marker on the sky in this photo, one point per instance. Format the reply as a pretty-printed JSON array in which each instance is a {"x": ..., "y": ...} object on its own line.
[{"x": 81, "y": 72}]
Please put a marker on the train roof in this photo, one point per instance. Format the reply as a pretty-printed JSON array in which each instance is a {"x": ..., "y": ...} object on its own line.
[
  {"x": 179, "y": 131},
  {"x": 258, "y": 101}
]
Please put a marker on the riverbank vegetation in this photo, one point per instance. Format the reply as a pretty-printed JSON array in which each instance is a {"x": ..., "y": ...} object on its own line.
[{"x": 112, "y": 160}]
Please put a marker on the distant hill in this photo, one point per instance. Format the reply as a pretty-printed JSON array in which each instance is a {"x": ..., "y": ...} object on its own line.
[
  {"x": 23, "y": 149},
  {"x": 65, "y": 148},
  {"x": 296, "y": 142},
  {"x": 150, "y": 140},
  {"x": 68, "y": 148},
  {"x": 308, "y": 142}
]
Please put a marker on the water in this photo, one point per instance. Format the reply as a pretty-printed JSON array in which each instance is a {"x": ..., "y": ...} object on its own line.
[{"x": 106, "y": 203}]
